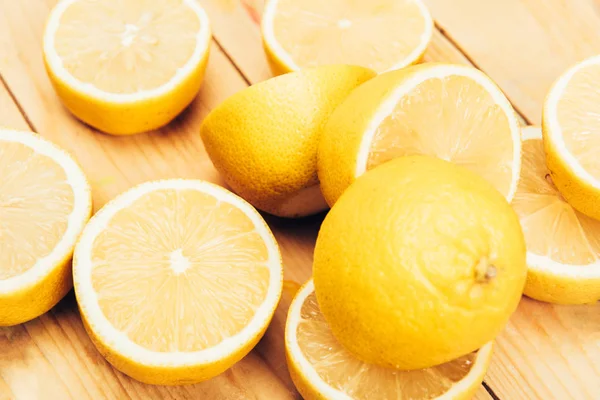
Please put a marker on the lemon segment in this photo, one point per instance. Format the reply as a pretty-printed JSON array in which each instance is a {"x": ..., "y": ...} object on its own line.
[
  {"x": 176, "y": 280},
  {"x": 264, "y": 139},
  {"x": 418, "y": 263},
  {"x": 381, "y": 35},
  {"x": 455, "y": 113},
  {"x": 322, "y": 369},
  {"x": 563, "y": 250},
  {"x": 570, "y": 125},
  {"x": 45, "y": 201},
  {"x": 128, "y": 66}
]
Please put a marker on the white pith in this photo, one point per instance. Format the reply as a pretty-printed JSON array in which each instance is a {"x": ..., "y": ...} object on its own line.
[
  {"x": 76, "y": 220},
  {"x": 273, "y": 43},
  {"x": 55, "y": 63},
  {"x": 541, "y": 263},
  {"x": 437, "y": 72},
  {"x": 117, "y": 340},
  {"x": 555, "y": 131},
  {"x": 328, "y": 392}
]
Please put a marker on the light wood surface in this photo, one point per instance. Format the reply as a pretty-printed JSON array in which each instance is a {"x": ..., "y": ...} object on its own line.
[{"x": 546, "y": 352}]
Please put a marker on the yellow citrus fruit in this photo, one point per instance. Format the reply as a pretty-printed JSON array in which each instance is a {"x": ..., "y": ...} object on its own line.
[
  {"x": 264, "y": 139},
  {"x": 126, "y": 66},
  {"x": 45, "y": 201},
  {"x": 322, "y": 368},
  {"x": 563, "y": 245},
  {"x": 452, "y": 112},
  {"x": 176, "y": 280},
  {"x": 569, "y": 122},
  {"x": 378, "y": 34},
  {"x": 420, "y": 262}
]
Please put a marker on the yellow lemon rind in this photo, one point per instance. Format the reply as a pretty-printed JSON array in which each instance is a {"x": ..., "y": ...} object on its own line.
[{"x": 267, "y": 151}]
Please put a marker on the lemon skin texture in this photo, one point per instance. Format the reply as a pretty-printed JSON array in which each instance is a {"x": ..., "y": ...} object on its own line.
[{"x": 419, "y": 262}]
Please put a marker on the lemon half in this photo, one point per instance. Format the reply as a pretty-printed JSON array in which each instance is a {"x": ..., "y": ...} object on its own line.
[
  {"x": 322, "y": 368},
  {"x": 452, "y": 112},
  {"x": 563, "y": 250},
  {"x": 176, "y": 280},
  {"x": 45, "y": 201},
  {"x": 126, "y": 66}
]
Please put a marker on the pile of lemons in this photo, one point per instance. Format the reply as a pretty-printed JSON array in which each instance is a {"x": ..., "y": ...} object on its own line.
[{"x": 443, "y": 209}]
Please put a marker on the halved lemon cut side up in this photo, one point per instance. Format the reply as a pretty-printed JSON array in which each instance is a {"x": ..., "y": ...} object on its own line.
[
  {"x": 571, "y": 130},
  {"x": 126, "y": 66},
  {"x": 451, "y": 112},
  {"x": 322, "y": 368},
  {"x": 45, "y": 201},
  {"x": 381, "y": 35},
  {"x": 563, "y": 245},
  {"x": 177, "y": 280}
]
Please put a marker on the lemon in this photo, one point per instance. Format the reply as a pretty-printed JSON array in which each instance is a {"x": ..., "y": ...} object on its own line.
[
  {"x": 321, "y": 368},
  {"x": 176, "y": 280},
  {"x": 126, "y": 66},
  {"x": 563, "y": 250},
  {"x": 264, "y": 139},
  {"x": 418, "y": 263},
  {"x": 569, "y": 127},
  {"x": 378, "y": 34},
  {"x": 45, "y": 201},
  {"x": 452, "y": 112}
]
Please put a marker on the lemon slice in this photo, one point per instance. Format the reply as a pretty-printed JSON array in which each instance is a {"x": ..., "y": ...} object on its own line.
[
  {"x": 45, "y": 201},
  {"x": 571, "y": 136},
  {"x": 176, "y": 280},
  {"x": 379, "y": 34},
  {"x": 563, "y": 247},
  {"x": 322, "y": 369},
  {"x": 452, "y": 112},
  {"x": 126, "y": 66}
]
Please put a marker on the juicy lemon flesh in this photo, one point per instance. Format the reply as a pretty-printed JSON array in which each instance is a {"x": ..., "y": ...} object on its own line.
[
  {"x": 551, "y": 226},
  {"x": 452, "y": 118},
  {"x": 179, "y": 270},
  {"x": 362, "y": 381},
  {"x": 126, "y": 46},
  {"x": 36, "y": 201},
  {"x": 375, "y": 34},
  {"x": 579, "y": 118}
]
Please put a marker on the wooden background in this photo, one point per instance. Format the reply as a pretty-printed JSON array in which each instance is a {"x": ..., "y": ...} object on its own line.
[{"x": 545, "y": 352}]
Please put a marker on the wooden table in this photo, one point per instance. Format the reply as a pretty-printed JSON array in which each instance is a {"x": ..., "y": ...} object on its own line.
[{"x": 546, "y": 352}]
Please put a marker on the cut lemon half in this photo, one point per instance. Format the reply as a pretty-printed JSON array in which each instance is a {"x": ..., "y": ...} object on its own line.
[
  {"x": 571, "y": 129},
  {"x": 322, "y": 369},
  {"x": 126, "y": 66},
  {"x": 563, "y": 245},
  {"x": 379, "y": 34},
  {"x": 451, "y": 112},
  {"x": 176, "y": 280},
  {"x": 45, "y": 201}
]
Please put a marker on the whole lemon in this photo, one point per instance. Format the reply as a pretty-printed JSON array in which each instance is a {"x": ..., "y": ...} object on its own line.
[
  {"x": 264, "y": 139},
  {"x": 419, "y": 262}
]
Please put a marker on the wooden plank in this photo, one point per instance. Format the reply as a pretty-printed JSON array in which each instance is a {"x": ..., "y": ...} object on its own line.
[
  {"x": 529, "y": 362},
  {"x": 52, "y": 357},
  {"x": 523, "y": 44}
]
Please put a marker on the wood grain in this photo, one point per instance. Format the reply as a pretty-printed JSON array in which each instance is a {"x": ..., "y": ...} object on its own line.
[
  {"x": 546, "y": 352},
  {"x": 523, "y": 44}
]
